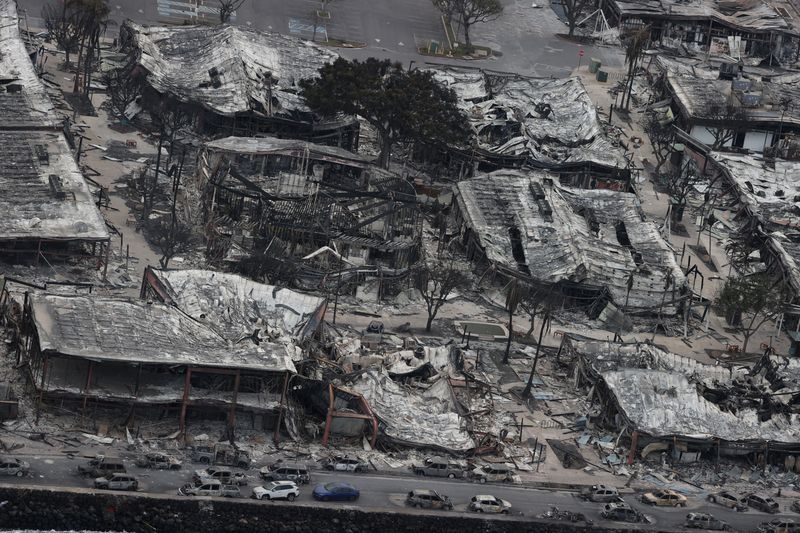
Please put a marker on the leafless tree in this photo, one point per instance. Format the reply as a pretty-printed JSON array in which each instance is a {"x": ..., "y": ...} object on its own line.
[
  {"x": 680, "y": 184},
  {"x": 122, "y": 89},
  {"x": 435, "y": 280},
  {"x": 662, "y": 139},
  {"x": 227, "y": 9},
  {"x": 574, "y": 10},
  {"x": 514, "y": 293},
  {"x": 727, "y": 121},
  {"x": 60, "y": 22},
  {"x": 470, "y": 12},
  {"x": 91, "y": 18}
]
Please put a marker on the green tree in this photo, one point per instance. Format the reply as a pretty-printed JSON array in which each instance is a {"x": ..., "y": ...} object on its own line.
[
  {"x": 469, "y": 12},
  {"x": 400, "y": 105},
  {"x": 748, "y": 302}
]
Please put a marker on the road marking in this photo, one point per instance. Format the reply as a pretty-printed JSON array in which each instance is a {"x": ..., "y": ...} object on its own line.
[
  {"x": 192, "y": 9},
  {"x": 302, "y": 27}
]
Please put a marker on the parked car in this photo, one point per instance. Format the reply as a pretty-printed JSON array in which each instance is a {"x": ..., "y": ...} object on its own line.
[
  {"x": 159, "y": 461},
  {"x": 335, "y": 492},
  {"x": 600, "y": 494},
  {"x": 117, "y": 482},
  {"x": 491, "y": 473},
  {"x": 429, "y": 499},
  {"x": 346, "y": 463},
  {"x": 621, "y": 512},
  {"x": 222, "y": 473},
  {"x": 102, "y": 467},
  {"x": 729, "y": 499},
  {"x": 488, "y": 504},
  {"x": 762, "y": 502},
  {"x": 221, "y": 453},
  {"x": 664, "y": 498},
  {"x": 705, "y": 521},
  {"x": 210, "y": 487},
  {"x": 439, "y": 467},
  {"x": 14, "y": 467},
  {"x": 277, "y": 490},
  {"x": 779, "y": 525},
  {"x": 286, "y": 472}
]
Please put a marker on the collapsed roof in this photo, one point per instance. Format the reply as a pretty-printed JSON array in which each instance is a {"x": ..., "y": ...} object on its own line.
[
  {"x": 532, "y": 227},
  {"x": 427, "y": 419},
  {"x": 256, "y": 146},
  {"x": 44, "y": 194},
  {"x": 234, "y": 306},
  {"x": 24, "y": 103},
  {"x": 666, "y": 404},
  {"x": 754, "y": 16},
  {"x": 507, "y": 114},
  {"x": 227, "y": 69},
  {"x": 133, "y": 331},
  {"x": 771, "y": 196}
]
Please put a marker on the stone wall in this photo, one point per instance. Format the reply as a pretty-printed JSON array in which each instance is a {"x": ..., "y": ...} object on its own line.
[{"x": 57, "y": 508}]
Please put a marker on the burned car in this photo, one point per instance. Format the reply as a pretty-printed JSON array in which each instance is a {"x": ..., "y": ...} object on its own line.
[
  {"x": 428, "y": 499},
  {"x": 601, "y": 494},
  {"x": 159, "y": 461},
  {"x": 223, "y": 474},
  {"x": 346, "y": 463},
  {"x": 439, "y": 467},
  {"x": 495, "y": 473}
]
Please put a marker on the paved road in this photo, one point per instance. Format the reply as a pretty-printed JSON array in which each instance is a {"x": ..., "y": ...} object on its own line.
[
  {"x": 524, "y": 35},
  {"x": 381, "y": 491}
]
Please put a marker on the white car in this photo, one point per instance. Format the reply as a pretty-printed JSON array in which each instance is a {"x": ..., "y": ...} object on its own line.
[
  {"x": 277, "y": 490},
  {"x": 483, "y": 503}
]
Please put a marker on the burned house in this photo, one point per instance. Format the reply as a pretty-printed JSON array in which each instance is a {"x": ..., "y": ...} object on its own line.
[
  {"x": 542, "y": 123},
  {"x": 660, "y": 401},
  {"x": 764, "y": 195},
  {"x": 745, "y": 113},
  {"x": 297, "y": 211},
  {"x": 220, "y": 346},
  {"x": 720, "y": 27},
  {"x": 48, "y": 210},
  {"x": 232, "y": 80},
  {"x": 591, "y": 245}
]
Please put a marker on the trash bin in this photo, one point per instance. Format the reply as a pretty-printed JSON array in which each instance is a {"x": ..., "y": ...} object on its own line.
[
  {"x": 594, "y": 65},
  {"x": 602, "y": 76}
]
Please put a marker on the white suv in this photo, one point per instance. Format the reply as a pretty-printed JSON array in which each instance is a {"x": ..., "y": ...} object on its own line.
[{"x": 277, "y": 490}]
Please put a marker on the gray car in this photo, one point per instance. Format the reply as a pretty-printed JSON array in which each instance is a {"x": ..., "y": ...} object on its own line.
[
  {"x": 117, "y": 482},
  {"x": 438, "y": 467},
  {"x": 14, "y": 467}
]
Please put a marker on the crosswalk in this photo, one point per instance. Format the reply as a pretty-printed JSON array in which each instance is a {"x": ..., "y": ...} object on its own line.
[{"x": 191, "y": 10}]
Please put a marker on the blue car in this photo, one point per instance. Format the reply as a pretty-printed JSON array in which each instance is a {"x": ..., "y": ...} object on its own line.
[{"x": 336, "y": 492}]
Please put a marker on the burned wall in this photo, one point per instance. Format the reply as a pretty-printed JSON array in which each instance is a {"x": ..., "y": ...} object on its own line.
[{"x": 43, "y": 508}]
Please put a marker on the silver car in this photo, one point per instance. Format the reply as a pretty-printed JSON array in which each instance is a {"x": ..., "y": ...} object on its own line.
[
  {"x": 117, "y": 482},
  {"x": 484, "y": 503}
]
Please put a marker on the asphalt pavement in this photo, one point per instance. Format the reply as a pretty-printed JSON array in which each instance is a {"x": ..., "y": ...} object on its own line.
[
  {"x": 382, "y": 491},
  {"x": 524, "y": 35}
]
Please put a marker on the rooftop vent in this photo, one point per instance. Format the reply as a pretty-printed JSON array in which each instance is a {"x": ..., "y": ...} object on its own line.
[
  {"x": 536, "y": 190},
  {"x": 41, "y": 154},
  {"x": 56, "y": 187}
]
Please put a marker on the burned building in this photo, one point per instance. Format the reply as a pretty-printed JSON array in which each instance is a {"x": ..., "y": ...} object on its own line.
[
  {"x": 765, "y": 195},
  {"x": 48, "y": 210},
  {"x": 594, "y": 246},
  {"x": 232, "y": 80},
  {"x": 663, "y": 401},
  {"x": 298, "y": 211},
  {"x": 744, "y": 113},
  {"x": 542, "y": 123},
  {"x": 219, "y": 346},
  {"x": 721, "y": 27}
]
